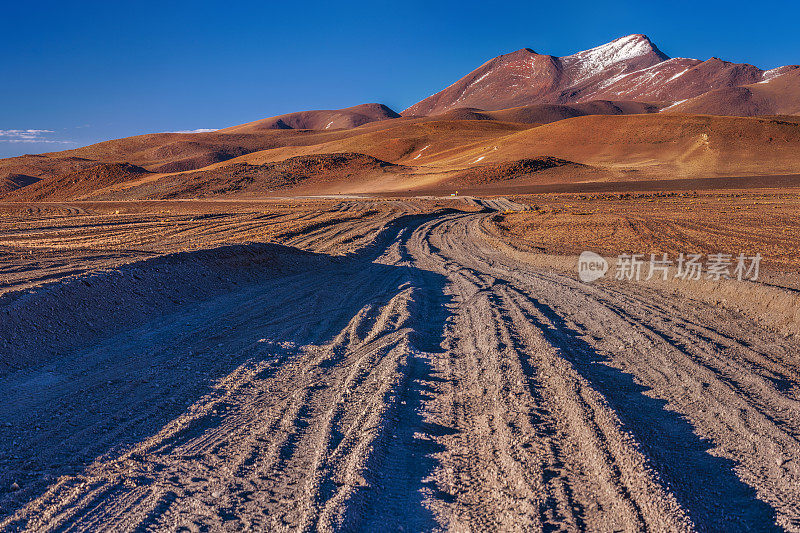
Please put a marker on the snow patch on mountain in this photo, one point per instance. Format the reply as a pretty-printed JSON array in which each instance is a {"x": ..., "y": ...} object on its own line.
[
  {"x": 596, "y": 60},
  {"x": 773, "y": 73},
  {"x": 679, "y": 102},
  {"x": 679, "y": 74},
  {"x": 477, "y": 81},
  {"x": 629, "y": 68}
]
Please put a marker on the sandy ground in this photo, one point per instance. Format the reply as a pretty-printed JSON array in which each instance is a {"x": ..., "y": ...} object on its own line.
[
  {"x": 751, "y": 221},
  {"x": 399, "y": 364},
  {"x": 43, "y": 242}
]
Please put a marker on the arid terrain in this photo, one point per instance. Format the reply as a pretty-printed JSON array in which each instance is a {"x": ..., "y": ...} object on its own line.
[
  {"x": 358, "y": 319},
  {"x": 417, "y": 363},
  {"x": 620, "y": 112}
]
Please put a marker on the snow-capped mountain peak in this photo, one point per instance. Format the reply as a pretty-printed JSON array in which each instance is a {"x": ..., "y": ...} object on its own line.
[
  {"x": 631, "y": 48},
  {"x": 629, "y": 68}
]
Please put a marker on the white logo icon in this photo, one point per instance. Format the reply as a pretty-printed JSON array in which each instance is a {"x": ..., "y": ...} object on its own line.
[{"x": 591, "y": 266}]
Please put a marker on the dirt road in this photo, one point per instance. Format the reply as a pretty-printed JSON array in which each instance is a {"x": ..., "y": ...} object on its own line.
[{"x": 432, "y": 380}]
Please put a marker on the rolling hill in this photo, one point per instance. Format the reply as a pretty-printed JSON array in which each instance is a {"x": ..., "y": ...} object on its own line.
[
  {"x": 546, "y": 113},
  {"x": 444, "y": 155},
  {"x": 622, "y": 111},
  {"x": 349, "y": 117}
]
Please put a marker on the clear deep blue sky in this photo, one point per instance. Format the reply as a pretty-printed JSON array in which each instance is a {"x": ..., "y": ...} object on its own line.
[{"x": 91, "y": 71}]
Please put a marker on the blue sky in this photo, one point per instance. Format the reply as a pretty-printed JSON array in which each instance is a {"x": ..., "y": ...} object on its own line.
[{"x": 74, "y": 73}]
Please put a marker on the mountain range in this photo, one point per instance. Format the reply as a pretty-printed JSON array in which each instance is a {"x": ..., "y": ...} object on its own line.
[
  {"x": 630, "y": 68},
  {"x": 621, "y": 111}
]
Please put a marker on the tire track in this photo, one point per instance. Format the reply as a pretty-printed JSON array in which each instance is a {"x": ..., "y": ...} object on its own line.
[{"x": 430, "y": 381}]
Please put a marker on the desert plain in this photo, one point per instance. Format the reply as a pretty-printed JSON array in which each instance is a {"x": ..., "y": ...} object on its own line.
[{"x": 362, "y": 320}]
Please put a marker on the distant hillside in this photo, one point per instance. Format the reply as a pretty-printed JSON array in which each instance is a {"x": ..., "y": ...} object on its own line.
[
  {"x": 777, "y": 96},
  {"x": 349, "y": 117},
  {"x": 78, "y": 184},
  {"x": 546, "y": 113}
]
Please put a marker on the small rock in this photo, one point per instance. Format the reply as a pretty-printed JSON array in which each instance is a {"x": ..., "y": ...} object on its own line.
[{"x": 14, "y": 486}]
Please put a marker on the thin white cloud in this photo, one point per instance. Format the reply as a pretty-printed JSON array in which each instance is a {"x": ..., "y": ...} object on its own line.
[
  {"x": 45, "y": 141},
  {"x": 23, "y": 134},
  {"x": 198, "y": 130},
  {"x": 29, "y": 136}
]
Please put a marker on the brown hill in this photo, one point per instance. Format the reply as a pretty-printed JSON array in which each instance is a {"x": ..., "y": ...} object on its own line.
[
  {"x": 420, "y": 143},
  {"x": 77, "y": 184},
  {"x": 408, "y": 142},
  {"x": 656, "y": 145},
  {"x": 513, "y": 171},
  {"x": 157, "y": 151},
  {"x": 405, "y": 143},
  {"x": 546, "y": 113},
  {"x": 349, "y": 117},
  {"x": 176, "y": 152},
  {"x": 445, "y": 155},
  {"x": 663, "y": 146},
  {"x": 311, "y": 172},
  {"x": 161, "y": 152},
  {"x": 13, "y": 182},
  {"x": 43, "y": 166},
  {"x": 777, "y": 96},
  {"x": 475, "y": 149},
  {"x": 631, "y": 68}
]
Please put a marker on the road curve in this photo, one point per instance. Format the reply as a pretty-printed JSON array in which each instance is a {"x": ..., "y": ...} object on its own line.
[{"x": 432, "y": 381}]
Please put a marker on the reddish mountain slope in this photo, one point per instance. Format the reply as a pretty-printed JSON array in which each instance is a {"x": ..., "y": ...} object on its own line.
[
  {"x": 546, "y": 113},
  {"x": 42, "y": 166},
  {"x": 629, "y": 68},
  {"x": 78, "y": 184},
  {"x": 517, "y": 111},
  {"x": 431, "y": 153},
  {"x": 777, "y": 96},
  {"x": 13, "y": 182},
  {"x": 349, "y": 117},
  {"x": 658, "y": 146},
  {"x": 309, "y": 172}
]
